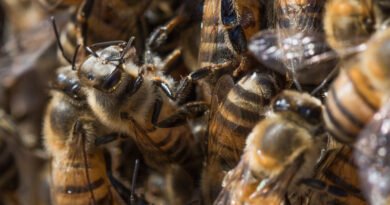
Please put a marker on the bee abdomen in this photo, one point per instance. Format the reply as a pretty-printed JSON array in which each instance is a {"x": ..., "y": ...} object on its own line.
[
  {"x": 350, "y": 104},
  {"x": 71, "y": 186}
]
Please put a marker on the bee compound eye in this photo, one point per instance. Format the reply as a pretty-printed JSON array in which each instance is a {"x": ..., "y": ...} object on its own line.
[{"x": 111, "y": 80}]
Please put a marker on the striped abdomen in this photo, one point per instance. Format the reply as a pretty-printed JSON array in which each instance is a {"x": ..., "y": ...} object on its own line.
[
  {"x": 350, "y": 104},
  {"x": 172, "y": 145},
  {"x": 338, "y": 180},
  {"x": 70, "y": 184},
  {"x": 161, "y": 147},
  {"x": 9, "y": 175},
  {"x": 226, "y": 25},
  {"x": 245, "y": 104},
  {"x": 300, "y": 15}
]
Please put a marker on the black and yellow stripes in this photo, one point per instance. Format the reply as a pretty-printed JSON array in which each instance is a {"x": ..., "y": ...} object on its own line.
[
  {"x": 245, "y": 104},
  {"x": 70, "y": 183},
  {"x": 351, "y": 102},
  {"x": 226, "y": 26},
  {"x": 339, "y": 171}
]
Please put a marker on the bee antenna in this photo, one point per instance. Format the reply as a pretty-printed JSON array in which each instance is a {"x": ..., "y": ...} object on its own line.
[
  {"x": 74, "y": 57},
  {"x": 128, "y": 46},
  {"x": 133, "y": 183},
  {"x": 53, "y": 21},
  {"x": 323, "y": 83},
  {"x": 90, "y": 51}
]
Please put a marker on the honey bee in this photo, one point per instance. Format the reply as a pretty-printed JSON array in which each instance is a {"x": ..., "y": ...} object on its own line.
[
  {"x": 359, "y": 91},
  {"x": 235, "y": 110},
  {"x": 226, "y": 26},
  {"x": 134, "y": 99},
  {"x": 280, "y": 150},
  {"x": 79, "y": 173},
  {"x": 349, "y": 23},
  {"x": 174, "y": 187},
  {"x": 9, "y": 177}
]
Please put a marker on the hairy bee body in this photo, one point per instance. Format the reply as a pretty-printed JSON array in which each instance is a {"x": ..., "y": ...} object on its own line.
[
  {"x": 232, "y": 120},
  {"x": 349, "y": 23},
  {"x": 132, "y": 112},
  {"x": 358, "y": 93},
  {"x": 223, "y": 33},
  {"x": 78, "y": 167},
  {"x": 346, "y": 114},
  {"x": 280, "y": 150}
]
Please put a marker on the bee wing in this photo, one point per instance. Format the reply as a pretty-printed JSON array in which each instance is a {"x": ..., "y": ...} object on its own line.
[
  {"x": 144, "y": 142},
  {"x": 223, "y": 86},
  {"x": 297, "y": 15},
  {"x": 305, "y": 53},
  {"x": 265, "y": 48},
  {"x": 373, "y": 157},
  {"x": 212, "y": 34}
]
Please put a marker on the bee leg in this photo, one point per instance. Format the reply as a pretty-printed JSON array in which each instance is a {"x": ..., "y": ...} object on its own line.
[
  {"x": 170, "y": 61},
  {"x": 122, "y": 190},
  {"x": 160, "y": 35},
  {"x": 105, "y": 139},
  {"x": 156, "y": 111},
  {"x": 137, "y": 84},
  {"x": 188, "y": 111},
  {"x": 165, "y": 88},
  {"x": 242, "y": 67},
  {"x": 186, "y": 84}
]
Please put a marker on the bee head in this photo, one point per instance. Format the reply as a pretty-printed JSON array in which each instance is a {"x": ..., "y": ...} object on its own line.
[
  {"x": 67, "y": 82},
  {"x": 103, "y": 70},
  {"x": 302, "y": 104}
]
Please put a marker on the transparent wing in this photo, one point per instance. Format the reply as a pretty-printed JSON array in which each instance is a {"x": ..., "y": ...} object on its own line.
[
  {"x": 146, "y": 145},
  {"x": 305, "y": 53},
  {"x": 372, "y": 155},
  {"x": 218, "y": 136},
  {"x": 212, "y": 49},
  {"x": 298, "y": 15}
]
